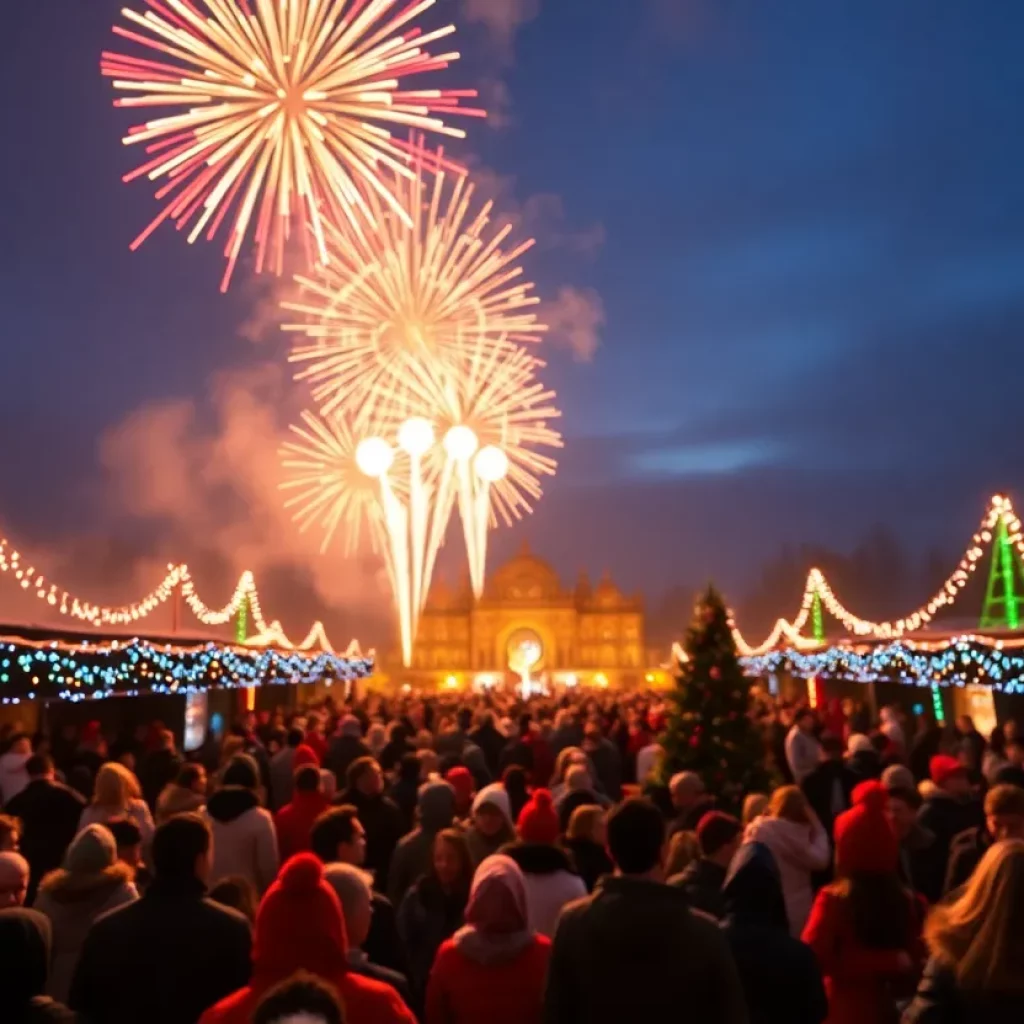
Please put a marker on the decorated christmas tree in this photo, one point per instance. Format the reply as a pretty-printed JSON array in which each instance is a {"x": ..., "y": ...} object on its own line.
[{"x": 710, "y": 730}]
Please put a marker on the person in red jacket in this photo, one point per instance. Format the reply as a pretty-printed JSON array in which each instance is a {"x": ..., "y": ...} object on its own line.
[
  {"x": 299, "y": 927},
  {"x": 492, "y": 970},
  {"x": 294, "y": 822},
  {"x": 865, "y": 928}
]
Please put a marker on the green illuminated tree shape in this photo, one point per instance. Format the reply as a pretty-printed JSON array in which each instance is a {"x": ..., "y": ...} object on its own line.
[{"x": 1002, "y": 600}]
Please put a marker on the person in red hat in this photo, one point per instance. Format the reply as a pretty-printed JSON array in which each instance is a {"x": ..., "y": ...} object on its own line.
[
  {"x": 492, "y": 970},
  {"x": 461, "y": 780},
  {"x": 299, "y": 927},
  {"x": 294, "y": 822},
  {"x": 951, "y": 807},
  {"x": 550, "y": 877},
  {"x": 865, "y": 928}
]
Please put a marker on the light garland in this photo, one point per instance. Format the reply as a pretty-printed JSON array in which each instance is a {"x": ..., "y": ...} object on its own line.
[{"x": 31, "y": 670}]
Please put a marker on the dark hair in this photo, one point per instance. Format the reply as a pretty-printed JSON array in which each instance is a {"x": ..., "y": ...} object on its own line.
[
  {"x": 302, "y": 993},
  {"x": 409, "y": 768},
  {"x": 464, "y": 719},
  {"x": 1005, "y": 799},
  {"x": 832, "y": 745},
  {"x": 39, "y": 764},
  {"x": 307, "y": 778},
  {"x": 456, "y": 839},
  {"x": 802, "y": 713},
  {"x": 636, "y": 835},
  {"x": 716, "y": 830},
  {"x": 880, "y": 908},
  {"x": 125, "y": 831},
  {"x": 177, "y": 843},
  {"x": 236, "y": 892},
  {"x": 910, "y": 797},
  {"x": 295, "y": 736},
  {"x": 188, "y": 775},
  {"x": 357, "y": 769},
  {"x": 332, "y": 827},
  {"x": 242, "y": 771}
]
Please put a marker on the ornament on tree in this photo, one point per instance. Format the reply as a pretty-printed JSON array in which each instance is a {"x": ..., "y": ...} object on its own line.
[{"x": 715, "y": 673}]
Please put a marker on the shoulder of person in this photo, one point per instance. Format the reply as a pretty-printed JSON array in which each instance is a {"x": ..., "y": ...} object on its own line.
[
  {"x": 227, "y": 918},
  {"x": 968, "y": 841}
]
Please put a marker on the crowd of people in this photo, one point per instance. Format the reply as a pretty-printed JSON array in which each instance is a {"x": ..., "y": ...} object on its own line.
[{"x": 489, "y": 860}]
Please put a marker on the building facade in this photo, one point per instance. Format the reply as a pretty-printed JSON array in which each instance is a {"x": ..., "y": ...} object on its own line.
[{"x": 528, "y": 623}]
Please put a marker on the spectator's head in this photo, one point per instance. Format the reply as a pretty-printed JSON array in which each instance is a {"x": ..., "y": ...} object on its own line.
[
  {"x": 789, "y": 803},
  {"x": 25, "y": 963},
  {"x": 409, "y": 768},
  {"x": 376, "y": 738},
  {"x": 588, "y": 822},
  {"x": 338, "y": 835},
  {"x": 577, "y": 779},
  {"x": 538, "y": 820},
  {"x": 328, "y": 783},
  {"x": 295, "y": 737},
  {"x": 128, "y": 839},
  {"x": 452, "y": 863},
  {"x": 978, "y": 934},
  {"x": 754, "y": 805},
  {"x": 805, "y": 720},
  {"x": 238, "y": 893},
  {"x": 301, "y": 999},
  {"x": 91, "y": 854},
  {"x": 164, "y": 739},
  {"x": 429, "y": 763},
  {"x": 865, "y": 839},
  {"x": 719, "y": 836},
  {"x": 115, "y": 787},
  {"x": 13, "y": 879},
  {"x": 351, "y": 727},
  {"x": 20, "y": 743},
  {"x": 567, "y": 757},
  {"x": 1004, "y": 812},
  {"x": 304, "y": 755},
  {"x": 898, "y": 776},
  {"x": 514, "y": 779},
  {"x": 858, "y": 743},
  {"x": 752, "y": 892},
  {"x": 831, "y": 747},
  {"x": 683, "y": 850},
  {"x": 435, "y": 804},
  {"x": 191, "y": 777},
  {"x": 497, "y": 898},
  {"x": 242, "y": 771},
  {"x": 364, "y": 775},
  {"x": 354, "y": 889},
  {"x": 1015, "y": 750},
  {"x": 10, "y": 833},
  {"x": 636, "y": 838},
  {"x": 902, "y": 810},
  {"x": 949, "y": 775},
  {"x": 183, "y": 850},
  {"x": 461, "y": 779},
  {"x": 307, "y": 779},
  {"x": 299, "y": 925},
  {"x": 491, "y": 811},
  {"x": 40, "y": 766},
  {"x": 685, "y": 789}
]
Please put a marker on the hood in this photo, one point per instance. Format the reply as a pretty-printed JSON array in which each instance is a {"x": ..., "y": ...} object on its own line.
[
  {"x": 753, "y": 890},
  {"x": 777, "y": 833},
  {"x": 231, "y": 802},
  {"x": 497, "y": 922},
  {"x": 177, "y": 799},
  {"x": 25, "y": 941},
  {"x": 495, "y": 796},
  {"x": 700, "y": 872},
  {"x": 538, "y": 858},
  {"x": 68, "y": 887},
  {"x": 436, "y": 804}
]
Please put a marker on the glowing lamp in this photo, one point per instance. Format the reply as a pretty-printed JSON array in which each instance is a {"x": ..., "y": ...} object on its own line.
[
  {"x": 415, "y": 436},
  {"x": 374, "y": 456},
  {"x": 491, "y": 464},
  {"x": 460, "y": 443}
]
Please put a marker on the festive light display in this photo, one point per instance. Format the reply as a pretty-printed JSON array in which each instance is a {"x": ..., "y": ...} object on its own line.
[
  {"x": 1002, "y": 603},
  {"x": 82, "y": 671},
  {"x": 404, "y": 293},
  {"x": 281, "y": 112}
]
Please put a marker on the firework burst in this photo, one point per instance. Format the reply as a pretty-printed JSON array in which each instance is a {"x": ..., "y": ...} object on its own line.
[{"x": 283, "y": 113}]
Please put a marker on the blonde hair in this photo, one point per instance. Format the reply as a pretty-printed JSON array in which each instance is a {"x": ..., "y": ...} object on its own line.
[
  {"x": 562, "y": 762},
  {"x": 754, "y": 805},
  {"x": 981, "y": 934},
  {"x": 583, "y": 821},
  {"x": 115, "y": 786},
  {"x": 683, "y": 849},
  {"x": 790, "y": 804}
]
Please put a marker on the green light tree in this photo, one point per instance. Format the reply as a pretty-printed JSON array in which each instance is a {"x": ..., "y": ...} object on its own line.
[{"x": 710, "y": 730}]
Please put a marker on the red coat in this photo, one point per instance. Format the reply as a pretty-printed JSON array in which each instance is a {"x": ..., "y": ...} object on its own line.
[
  {"x": 294, "y": 822},
  {"x": 861, "y": 982},
  {"x": 464, "y": 991}
]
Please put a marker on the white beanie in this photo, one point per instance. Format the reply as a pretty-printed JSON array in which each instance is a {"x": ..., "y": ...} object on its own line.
[
  {"x": 494, "y": 796},
  {"x": 858, "y": 743}
]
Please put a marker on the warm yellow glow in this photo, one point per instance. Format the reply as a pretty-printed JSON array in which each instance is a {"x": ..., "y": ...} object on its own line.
[
  {"x": 416, "y": 436},
  {"x": 460, "y": 443},
  {"x": 491, "y": 464},
  {"x": 374, "y": 456}
]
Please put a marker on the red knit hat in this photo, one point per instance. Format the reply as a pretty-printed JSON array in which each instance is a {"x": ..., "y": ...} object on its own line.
[
  {"x": 942, "y": 768},
  {"x": 299, "y": 925},
  {"x": 305, "y": 754},
  {"x": 461, "y": 780},
  {"x": 538, "y": 821},
  {"x": 865, "y": 840}
]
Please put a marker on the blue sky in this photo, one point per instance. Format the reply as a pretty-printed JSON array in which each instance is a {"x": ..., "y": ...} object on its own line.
[{"x": 798, "y": 228}]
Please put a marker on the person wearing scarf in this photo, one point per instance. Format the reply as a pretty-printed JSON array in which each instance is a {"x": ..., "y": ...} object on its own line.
[{"x": 492, "y": 970}]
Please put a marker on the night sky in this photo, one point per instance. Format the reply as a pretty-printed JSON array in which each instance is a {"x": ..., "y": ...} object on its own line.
[{"x": 782, "y": 244}]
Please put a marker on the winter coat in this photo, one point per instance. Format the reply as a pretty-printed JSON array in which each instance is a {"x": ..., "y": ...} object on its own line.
[
  {"x": 492, "y": 743},
  {"x": 175, "y": 799},
  {"x": 282, "y": 768},
  {"x": 829, "y": 790},
  {"x": 863, "y": 984},
  {"x": 163, "y": 958},
  {"x": 922, "y": 866},
  {"x": 946, "y": 817},
  {"x": 573, "y": 798},
  {"x": 294, "y": 822},
  {"x": 865, "y": 765},
  {"x": 244, "y": 840},
  {"x": 426, "y": 918},
  {"x": 803, "y": 752},
  {"x": 414, "y": 854},
  {"x": 798, "y": 850},
  {"x": 590, "y": 860},
  {"x": 687, "y": 819},
  {"x": 25, "y": 942},
  {"x": 137, "y": 811},
  {"x": 13, "y": 776},
  {"x": 360, "y": 962},
  {"x": 341, "y": 752},
  {"x": 781, "y": 980},
  {"x": 939, "y": 1000},
  {"x": 72, "y": 903},
  {"x": 481, "y": 847},
  {"x": 551, "y": 883},
  {"x": 634, "y": 951},
  {"x": 464, "y": 989},
  {"x": 702, "y": 881},
  {"x": 49, "y": 814},
  {"x": 157, "y": 770},
  {"x": 383, "y": 823},
  {"x": 965, "y": 852},
  {"x": 607, "y": 762}
]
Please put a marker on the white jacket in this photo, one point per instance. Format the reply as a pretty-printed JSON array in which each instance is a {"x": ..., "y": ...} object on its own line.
[
  {"x": 550, "y": 883},
  {"x": 244, "y": 838},
  {"x": 13, "y": 776},
  {"x": 798, "y": 850}
]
